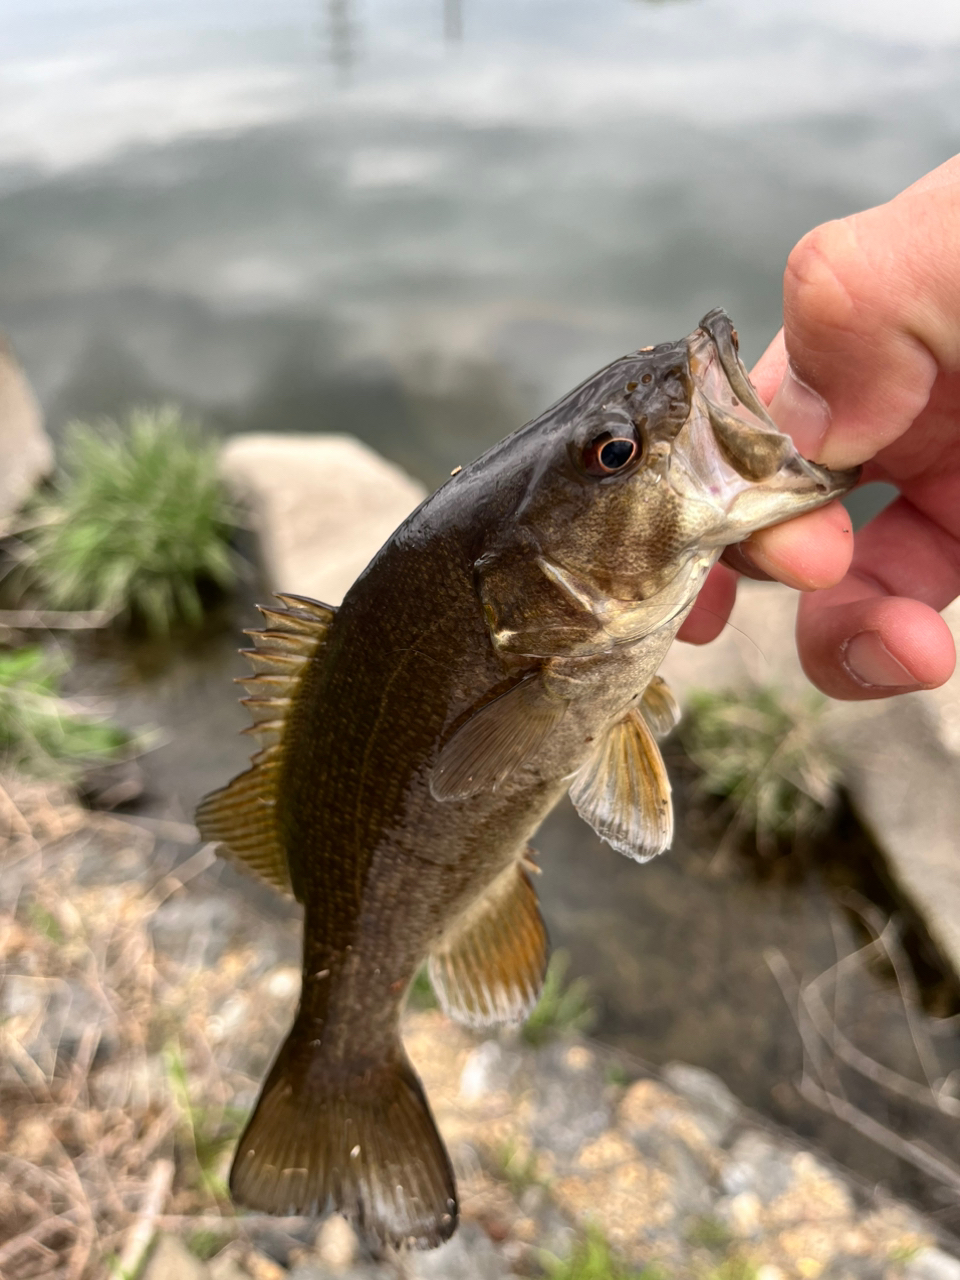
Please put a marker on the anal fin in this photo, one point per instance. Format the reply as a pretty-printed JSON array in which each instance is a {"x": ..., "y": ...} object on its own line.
[
  {"x": 490, "y": 967},
  {"x": 623, "y": 791},
  {"x": 499, "y": 738}
]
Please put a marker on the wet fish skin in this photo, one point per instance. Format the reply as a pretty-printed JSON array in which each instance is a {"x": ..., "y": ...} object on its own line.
[{"x": 500, "y": 649}]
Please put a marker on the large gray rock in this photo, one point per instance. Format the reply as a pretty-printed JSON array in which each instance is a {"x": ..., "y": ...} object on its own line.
[
  {"x": 900, "y": 756},
  {"x": 323, "y": 506},
  {"x": 26, "y": 454}
]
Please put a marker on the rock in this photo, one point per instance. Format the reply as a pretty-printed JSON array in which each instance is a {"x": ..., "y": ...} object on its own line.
[
  {"x": 336, "y": 1245},
  {"x": 489, "y": 1069},
  {"x": 172, "y": 1260},
  {"x": 470, "y": 1255},
  {"x": 756, "y": 1164},
  {"x": 323, "y": 505},
  {"x": 899, "y": 756},
  {"x": 26, "y": 454},
  {"x": 572, "y": 1107},
  {"x": 932, "y": 1264},
  {"x": 223, "y": 1267},
  {"x": 714, "y": 1105}
]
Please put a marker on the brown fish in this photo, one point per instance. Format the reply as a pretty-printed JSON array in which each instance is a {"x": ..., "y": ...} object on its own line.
[{"x": 499, "y": 650}]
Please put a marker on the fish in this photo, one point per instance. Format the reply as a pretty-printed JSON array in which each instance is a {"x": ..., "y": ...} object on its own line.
[{"x": 499, "y": 651}]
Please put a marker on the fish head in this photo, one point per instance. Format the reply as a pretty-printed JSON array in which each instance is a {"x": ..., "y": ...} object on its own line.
[{"x": 636, "y": 481}]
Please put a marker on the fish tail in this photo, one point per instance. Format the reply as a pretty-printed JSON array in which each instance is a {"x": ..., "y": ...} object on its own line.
[{"x": 356, "y": 1138}]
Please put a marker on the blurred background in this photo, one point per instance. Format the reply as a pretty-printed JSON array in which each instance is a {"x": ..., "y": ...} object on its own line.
[{"x": 421, "y": 221}]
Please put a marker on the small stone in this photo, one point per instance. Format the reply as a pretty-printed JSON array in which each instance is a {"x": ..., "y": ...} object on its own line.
[
  {"x": 769, "y": 1272},
  {"x": 172, "y": 1260},
  {"x": 336, "y": 1245},
  {"x": 479, "y": 1071},
  {"x": 225, "y": 1267},
  {"x": 579, "y": 1058},
  {"x": 26, "y": 454},
  {"x": 756, "y": 1163},
  {"x": 716, "y": 1107},
  {"x": 470, "y": 1255},
  {"x": 261, "y": 1267},
  {"x": 744, "y": 1212},
  {"x": 932, "y": 1264},
  {"x": 284, "y": 983}
]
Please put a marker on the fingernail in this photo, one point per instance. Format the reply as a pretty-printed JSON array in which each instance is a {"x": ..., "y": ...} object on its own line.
[
  {"x": 801, "y": 413},
  {"x": 870, "y": 662}
]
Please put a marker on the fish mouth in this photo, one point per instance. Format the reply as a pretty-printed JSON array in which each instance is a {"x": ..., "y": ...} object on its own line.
[{"x": 733, "y": 450}]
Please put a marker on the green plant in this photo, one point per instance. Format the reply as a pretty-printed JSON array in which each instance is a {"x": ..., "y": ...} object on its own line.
[
  {"x": 39, "y": 732},
  {"x": 139, "y": 518},
  {"x": 421, "y": 994},
  {"x": 593, "y": 1259},
  {"x": 517, "y": 1167},
  {"x": 203, "y": 1133},
  {"x": 765, "y": 753},
  {"x": 561, "y": 1007}
]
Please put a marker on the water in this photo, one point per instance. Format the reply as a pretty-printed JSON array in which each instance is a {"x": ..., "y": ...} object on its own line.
[{"x": 421, "y": 222}]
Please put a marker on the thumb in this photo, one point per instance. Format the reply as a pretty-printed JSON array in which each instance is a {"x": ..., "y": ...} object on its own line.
[{"x": 870, "y": 318}]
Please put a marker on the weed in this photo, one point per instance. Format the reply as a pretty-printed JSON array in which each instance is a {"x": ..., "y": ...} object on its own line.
[
  {"x": 764, "y": 753},
  {"x": 205, "y": 1133},
  {"x": 39, "y": 732},
  {"x": 517, "y": 1166},
  {"x": 709, "y": 1233},
  {"x": 561, "y": 1007},
  {"x": 593, "y": 1259},
  {"x": 421, "y": 994},
  {"x": 138, "y": 520}
]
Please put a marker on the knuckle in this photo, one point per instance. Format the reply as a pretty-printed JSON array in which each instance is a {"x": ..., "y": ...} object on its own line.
[{"x": 828, "y": 280}]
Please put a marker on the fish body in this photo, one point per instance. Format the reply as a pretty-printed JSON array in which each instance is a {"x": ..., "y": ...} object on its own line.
[{"x": 500, "y": 650}]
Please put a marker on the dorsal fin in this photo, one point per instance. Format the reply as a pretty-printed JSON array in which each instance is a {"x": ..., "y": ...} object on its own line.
[{"x": 241, "y": 815}]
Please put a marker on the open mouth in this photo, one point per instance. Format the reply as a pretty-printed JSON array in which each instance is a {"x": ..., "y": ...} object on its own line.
[{"x": 746, "y": 435}]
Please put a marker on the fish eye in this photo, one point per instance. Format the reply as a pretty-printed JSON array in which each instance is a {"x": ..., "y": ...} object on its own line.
[{"x": 607, "y": 454}]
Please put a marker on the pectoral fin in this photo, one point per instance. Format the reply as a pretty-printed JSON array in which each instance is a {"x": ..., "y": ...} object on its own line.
[
  {"x": 624, "y": 793},
  {"x": 490, "y": 967},
  {"x": 496, "y": 741},
  {"x": 659, "y": 707}
]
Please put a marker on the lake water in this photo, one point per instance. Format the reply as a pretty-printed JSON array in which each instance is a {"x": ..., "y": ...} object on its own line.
[{"x": 420, "y": 222}]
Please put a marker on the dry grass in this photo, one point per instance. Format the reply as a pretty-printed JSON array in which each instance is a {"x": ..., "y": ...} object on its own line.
[{"x": 114, "y": 1116}]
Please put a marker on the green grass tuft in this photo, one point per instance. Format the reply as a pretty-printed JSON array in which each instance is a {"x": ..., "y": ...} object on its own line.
[
  {"x": 39, "y": 732},
  {"x": 138, "y": 520},
  {"x": 562, "y": 1007},
  {"x": 764, "y": 753},
  {"x": 593, "y": 1259}
]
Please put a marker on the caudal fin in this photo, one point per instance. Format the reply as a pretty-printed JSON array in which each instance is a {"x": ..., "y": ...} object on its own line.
[{"x": 364, "y": 1143}]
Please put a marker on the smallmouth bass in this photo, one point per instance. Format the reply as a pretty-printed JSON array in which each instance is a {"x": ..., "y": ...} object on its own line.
[{"x": 499, "y": 650}]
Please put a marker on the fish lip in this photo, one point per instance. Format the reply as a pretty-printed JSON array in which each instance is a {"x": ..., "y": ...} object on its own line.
[{"x": 718, "y": 327}]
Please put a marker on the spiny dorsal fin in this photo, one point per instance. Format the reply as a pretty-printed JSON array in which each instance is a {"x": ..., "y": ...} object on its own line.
[
  {"x": 659, "y": 707},
  {"x": 623, "y": 790},
  {"x": 489, "y": 968},
  {"x": 496, "y": 741},
  {"x": 241, "y": 815}
]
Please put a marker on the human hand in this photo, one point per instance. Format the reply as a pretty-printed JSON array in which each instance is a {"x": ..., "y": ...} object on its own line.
[{"x": 867, "y": 370}]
